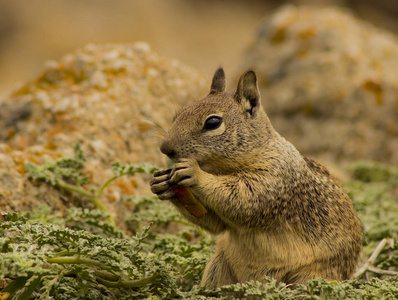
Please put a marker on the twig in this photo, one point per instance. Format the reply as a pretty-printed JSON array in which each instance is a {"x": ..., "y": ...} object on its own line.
[
  {"x": 381, "y": 271},
  {"x": 66, "y": 186},
  {"x": 129, "y": 283},
  {"x": 93, "y": 196},
  {"x": 74, "y": 260},
  {"x": 368, "y": 265}
]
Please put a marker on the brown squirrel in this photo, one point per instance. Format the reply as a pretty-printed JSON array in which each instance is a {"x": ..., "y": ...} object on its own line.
[{"x": 276, "y": 212}]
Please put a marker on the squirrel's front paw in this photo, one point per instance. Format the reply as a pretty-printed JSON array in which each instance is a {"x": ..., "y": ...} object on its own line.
[
  {"x": 161, "y": 186},
  {"x": 185, "y": 172}
]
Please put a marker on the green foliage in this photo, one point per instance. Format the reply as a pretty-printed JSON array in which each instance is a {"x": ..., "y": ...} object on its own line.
[
  {"x": 374, "y": 172},
  {"x": 374, "y": 194},
  {"x": 63, "y": 262},
  {"x": 149, "y": 208},
  {"x": 120, "y": 170},
  {"x": 65, "y": 170},
  {"x": 81, "y": 255}
]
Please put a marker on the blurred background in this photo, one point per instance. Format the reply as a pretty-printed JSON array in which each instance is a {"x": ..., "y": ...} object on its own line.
[{"x": 202, "y": 34}]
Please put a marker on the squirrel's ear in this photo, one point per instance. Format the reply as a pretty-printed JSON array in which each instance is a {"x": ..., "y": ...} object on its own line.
[
  {"x": 218, "y": 82},
  {"x": 247, "y": 92}
]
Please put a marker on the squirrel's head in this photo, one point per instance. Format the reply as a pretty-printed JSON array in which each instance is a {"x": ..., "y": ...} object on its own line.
[{"x": 221, "y": 129}]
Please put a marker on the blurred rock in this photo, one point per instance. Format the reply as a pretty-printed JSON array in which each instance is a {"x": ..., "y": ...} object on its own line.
[
  {"x": 329, "y": 83},
  {"x": 111, "y": 99}
]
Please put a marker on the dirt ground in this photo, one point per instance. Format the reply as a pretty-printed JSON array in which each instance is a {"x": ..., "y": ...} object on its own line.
[{"x": 202, "y": 34}]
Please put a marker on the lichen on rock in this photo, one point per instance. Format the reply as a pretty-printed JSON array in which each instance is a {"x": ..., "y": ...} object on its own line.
[
  {"x": 111, "y": 99},
  {"x": 328, "y": 82}
]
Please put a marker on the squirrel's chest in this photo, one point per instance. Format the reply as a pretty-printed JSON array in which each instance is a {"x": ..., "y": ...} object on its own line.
[{"x": 254, "y": 255}]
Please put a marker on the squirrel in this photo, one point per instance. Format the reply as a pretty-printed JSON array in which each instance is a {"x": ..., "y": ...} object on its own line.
[{"x": 276, "y": 212}]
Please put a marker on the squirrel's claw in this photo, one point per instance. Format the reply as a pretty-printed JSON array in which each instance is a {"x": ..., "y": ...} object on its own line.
[
  {"x": 161, "y": 186},
  {"x": 168, "y": 195},
  {"x": 185, "y": 173}
]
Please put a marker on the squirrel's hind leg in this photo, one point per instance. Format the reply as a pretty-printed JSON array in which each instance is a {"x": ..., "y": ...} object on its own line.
[{"x": 218, "y": 272}]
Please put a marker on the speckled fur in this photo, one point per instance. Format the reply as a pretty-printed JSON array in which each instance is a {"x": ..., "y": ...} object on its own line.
[{"x": 275, "y": 212}]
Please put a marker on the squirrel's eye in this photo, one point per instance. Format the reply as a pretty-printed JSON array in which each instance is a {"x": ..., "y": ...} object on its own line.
[{"x": 212, "y": 123}]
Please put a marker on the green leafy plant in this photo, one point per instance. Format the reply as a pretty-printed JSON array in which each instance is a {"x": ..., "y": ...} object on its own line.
[
  {"x": 372, "y": 188},
  {"x": 81, "y": 255},
  {"x": 62, "y": 171},
  {"x": 49, "y": 256}
]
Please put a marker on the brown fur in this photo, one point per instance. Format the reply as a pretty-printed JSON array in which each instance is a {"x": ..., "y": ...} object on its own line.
[{"x": 276, "y": 212}]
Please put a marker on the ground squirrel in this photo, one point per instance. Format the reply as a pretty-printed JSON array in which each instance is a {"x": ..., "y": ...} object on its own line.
[{"x": 276, "y": 212}]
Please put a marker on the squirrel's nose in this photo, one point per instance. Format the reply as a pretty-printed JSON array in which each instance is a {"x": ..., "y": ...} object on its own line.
[{"x": 167, "y": 148}]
